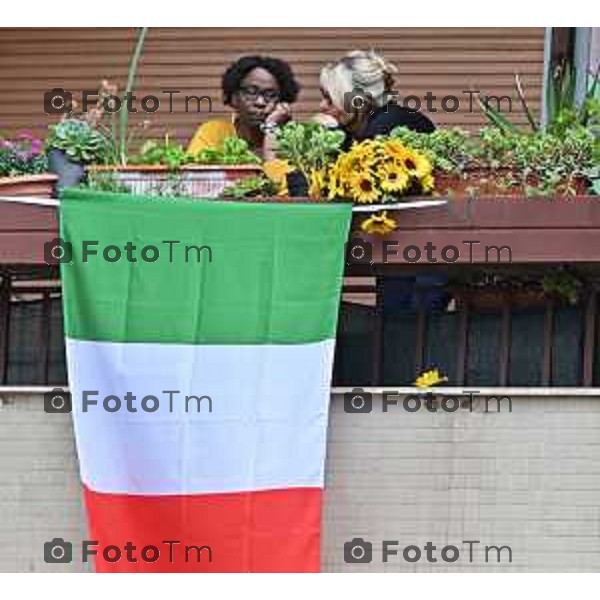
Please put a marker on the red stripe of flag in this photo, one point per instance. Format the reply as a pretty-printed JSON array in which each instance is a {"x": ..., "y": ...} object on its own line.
[{"x": 265, "y": 531}]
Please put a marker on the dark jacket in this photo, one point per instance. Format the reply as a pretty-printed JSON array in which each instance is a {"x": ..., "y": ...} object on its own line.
[{"x": 383, "y": 120}]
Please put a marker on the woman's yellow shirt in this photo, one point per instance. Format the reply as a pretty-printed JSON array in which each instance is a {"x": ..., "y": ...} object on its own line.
[{"x": 213, "y": 133}]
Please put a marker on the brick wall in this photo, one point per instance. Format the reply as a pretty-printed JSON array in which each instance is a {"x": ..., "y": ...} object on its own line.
[{"x": 529, "y": 479}]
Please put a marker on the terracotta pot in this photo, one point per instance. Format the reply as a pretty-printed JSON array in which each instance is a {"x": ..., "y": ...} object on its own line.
[
  {"x": 494, "y": 182},
  {"x": 38, "y": 186},
  {"x": 205, "y": 181}
]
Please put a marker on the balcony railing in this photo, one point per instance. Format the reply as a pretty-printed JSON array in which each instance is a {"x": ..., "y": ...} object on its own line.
[{"x": 385, "y": 336}]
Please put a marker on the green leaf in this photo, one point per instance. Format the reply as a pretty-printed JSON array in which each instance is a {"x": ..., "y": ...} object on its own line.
[{"x": 496, "y": 118}]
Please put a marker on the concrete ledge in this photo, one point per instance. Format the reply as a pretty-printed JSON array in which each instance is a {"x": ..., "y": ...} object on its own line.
[{"x": 482, "y": 391}]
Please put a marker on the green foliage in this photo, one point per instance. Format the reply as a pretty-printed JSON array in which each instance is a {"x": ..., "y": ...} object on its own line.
[
  {"x": 308, "y": 147},
  {"x": 564, "y": 112},
  {"x": 103, "y": 181},
  {"x": 168, "y": 153},
  {"x": 121, "y": 137},
  {"x": 22, "y": 156},
  {"x": 542, "y": 162},
  {"x": 562, "y": 284},
  {"x": 235, "y": 151},
  {"x": 247, "y": 187},
  {"x": 449, "y": 150},
  {"x": 81, "y": 142}
]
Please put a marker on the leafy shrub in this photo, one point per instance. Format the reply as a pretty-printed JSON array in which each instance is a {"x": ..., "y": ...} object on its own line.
[{"x": 80, "y": 140}]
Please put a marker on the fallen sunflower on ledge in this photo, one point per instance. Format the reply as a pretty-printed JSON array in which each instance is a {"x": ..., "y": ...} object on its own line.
[
  {"x": 430, "y": 378},
  {"x": 379, "y": 224}
]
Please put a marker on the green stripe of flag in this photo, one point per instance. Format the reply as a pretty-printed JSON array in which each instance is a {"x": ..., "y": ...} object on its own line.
[{"x": 272, "y": 274}]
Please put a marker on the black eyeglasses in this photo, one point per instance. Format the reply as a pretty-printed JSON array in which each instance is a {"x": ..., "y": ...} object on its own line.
[{"x": 251, "y": 93}]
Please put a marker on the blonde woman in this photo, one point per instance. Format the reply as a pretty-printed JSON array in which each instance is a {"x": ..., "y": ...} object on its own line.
[{"x": 358, "y": 96}]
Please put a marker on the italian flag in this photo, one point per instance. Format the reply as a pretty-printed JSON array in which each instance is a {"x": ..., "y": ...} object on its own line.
[{"x": 232, "y": 330}]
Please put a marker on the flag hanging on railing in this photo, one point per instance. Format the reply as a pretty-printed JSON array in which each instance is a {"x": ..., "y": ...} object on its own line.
[{"x": 200, "y": 338}]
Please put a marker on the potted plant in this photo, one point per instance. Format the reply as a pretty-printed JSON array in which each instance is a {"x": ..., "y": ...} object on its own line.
[
  {"x": 558, "y": 159},
  {"x": 165, "y": 168},
  {"x": 309, "y": 149},
  {"x": 508, "y": 163},
  {"x": 495, "y": 291},
  {"x": 24, "y": 167},
  {"x": 71, "y": 145}
]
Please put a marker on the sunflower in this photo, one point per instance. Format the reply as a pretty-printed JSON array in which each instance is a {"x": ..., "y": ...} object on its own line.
[
  {"x": 360, "y": 156},
  {"x": 334, "y": 185},
  {"x": 394, "y": 178},
  {"x": 363, "y": 188},
  {"x": 317, "y": 183},
  {"x": 395, "y": 149},
  {"x": 427, "y": 183},
  {"x": 374, "y": 168},
  {"x": 416, "y": 164},
  {"x": 379, "y": 224},
  {"x": 337, "y": 180}
]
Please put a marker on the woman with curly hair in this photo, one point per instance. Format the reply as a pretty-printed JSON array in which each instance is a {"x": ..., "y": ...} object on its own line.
[{"x": 260, "y": 90}]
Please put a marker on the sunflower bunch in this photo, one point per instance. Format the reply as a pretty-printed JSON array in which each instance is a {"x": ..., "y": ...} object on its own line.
[{"x": 379, "y": 170}]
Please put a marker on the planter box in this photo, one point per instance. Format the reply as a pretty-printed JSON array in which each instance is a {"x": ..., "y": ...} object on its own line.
[
  {"x": 495, "y": 299},
  {"x": 492, "y": 183},
  {"x": 538, "y": 231},
  {"x": 553, "y": 230},
  {"x": 204, "y": 181},
  {"x": 38, "y": 186}
]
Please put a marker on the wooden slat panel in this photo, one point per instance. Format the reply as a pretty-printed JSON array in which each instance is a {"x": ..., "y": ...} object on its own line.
[
  {"x": 441, "y": 60},
  {"x": 5, "y": 283},
  {"x": 589, "y": 338}
]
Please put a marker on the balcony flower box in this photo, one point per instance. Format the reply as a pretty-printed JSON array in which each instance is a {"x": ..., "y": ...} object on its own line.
[
  {"x": 37, "y": 186},
  {"x": 203, "y": 181},
  {"x": 497, "y": 183}
]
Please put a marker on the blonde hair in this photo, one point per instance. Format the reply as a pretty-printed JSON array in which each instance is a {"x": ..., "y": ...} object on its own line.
[{"x": 368, "y": 71}]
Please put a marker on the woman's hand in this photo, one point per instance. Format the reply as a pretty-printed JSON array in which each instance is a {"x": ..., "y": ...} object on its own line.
[
  {"x": 281, "y": 114},
  {"x": 325, "y": 120}
]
